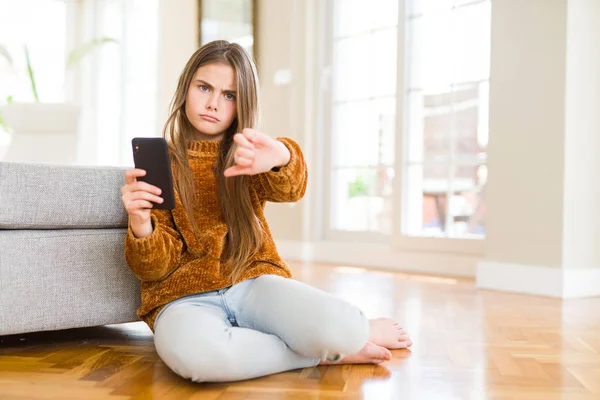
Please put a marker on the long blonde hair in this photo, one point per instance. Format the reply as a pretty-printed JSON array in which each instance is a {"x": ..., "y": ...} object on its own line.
[{"x": 244, "y": 236}]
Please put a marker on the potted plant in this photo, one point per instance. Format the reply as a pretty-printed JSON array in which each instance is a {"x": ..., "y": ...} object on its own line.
[{"x": 36, "y": 126}]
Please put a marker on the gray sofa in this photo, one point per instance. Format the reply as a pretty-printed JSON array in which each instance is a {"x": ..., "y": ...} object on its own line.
[{"x": 62, "y": 262}]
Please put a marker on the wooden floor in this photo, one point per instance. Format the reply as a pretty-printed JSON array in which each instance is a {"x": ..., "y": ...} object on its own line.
[{"x": 468, "y": 344}]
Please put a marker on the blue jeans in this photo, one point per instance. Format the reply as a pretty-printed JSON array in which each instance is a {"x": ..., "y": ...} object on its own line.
[{"x": 257, "y": 327}]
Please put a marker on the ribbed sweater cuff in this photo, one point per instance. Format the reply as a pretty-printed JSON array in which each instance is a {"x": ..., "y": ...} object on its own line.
[
  {"x": 148, "y": 244},
  {"x": 288, "y": 171}
]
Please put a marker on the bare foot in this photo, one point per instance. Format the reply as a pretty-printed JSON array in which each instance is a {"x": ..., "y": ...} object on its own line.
[
  {"x": 370, "y": 354},
  {"x": 388, "y": 333}
]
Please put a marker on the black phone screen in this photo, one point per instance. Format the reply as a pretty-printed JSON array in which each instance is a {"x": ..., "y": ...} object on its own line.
[{"x": 152, "y": 155}]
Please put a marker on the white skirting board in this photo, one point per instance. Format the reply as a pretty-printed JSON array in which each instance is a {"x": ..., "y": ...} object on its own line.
[
  {"x": 379, "y": 256},
  {"x": 564, "y": 283},
  {"x": 561, "y": 283}
]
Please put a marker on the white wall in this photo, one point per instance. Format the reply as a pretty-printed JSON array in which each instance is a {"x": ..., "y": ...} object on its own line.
[
  {"x": 544, "y": 190},
  {"x": 581, "y": 233},
  {"x": 282, "y": 38},
  {"x": 544, "y": 134},
  {"x": 178, "y": 41},
  {"x": 527, "y": 119}
]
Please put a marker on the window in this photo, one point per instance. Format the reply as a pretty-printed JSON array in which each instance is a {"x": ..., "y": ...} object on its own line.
[
  {"x": 363, "y": 115},
  {"x": 230, "y": 20},
  {"x": 446, "y": 130},
  {"x": 20, "y": 32},
  {"x": 444, "y": 103},
  {"x": 119, "y": 94},
  {"x": 115, "y": 84}
]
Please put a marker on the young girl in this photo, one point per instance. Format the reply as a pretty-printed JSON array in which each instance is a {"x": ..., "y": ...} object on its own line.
[{"x": 215, "y": 292}]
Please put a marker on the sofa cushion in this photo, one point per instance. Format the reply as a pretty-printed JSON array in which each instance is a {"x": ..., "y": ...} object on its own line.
[
  {"x": 52, "y": 196},
  {"x": 65, "y": 279}
]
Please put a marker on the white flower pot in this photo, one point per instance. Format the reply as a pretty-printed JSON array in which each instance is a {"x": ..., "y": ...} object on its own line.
[{"x": 42, "y": 132}]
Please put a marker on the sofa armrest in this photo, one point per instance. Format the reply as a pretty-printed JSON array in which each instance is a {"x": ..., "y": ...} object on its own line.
[{"x": 52, "y": 196}]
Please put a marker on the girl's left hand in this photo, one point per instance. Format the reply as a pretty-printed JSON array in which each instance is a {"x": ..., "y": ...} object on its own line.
[{"x": 257, "y": 153}]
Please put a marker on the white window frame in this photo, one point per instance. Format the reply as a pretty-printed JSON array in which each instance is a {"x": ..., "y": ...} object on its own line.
[
  {"x": 398, "y": 240},
  {"x": 327, "y": 8}
]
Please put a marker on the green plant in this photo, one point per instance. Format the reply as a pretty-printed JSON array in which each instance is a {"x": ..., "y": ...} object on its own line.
[
  {"x": 3, "y": 125},
  {"x": 358, "y": 188},
  {"x": 31, "y": 76}
]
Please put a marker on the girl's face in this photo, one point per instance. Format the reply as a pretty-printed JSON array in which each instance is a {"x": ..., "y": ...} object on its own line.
[{"x": 210, "y": 104}]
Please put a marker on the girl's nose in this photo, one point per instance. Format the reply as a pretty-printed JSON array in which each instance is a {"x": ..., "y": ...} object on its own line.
[{"x": 212, "y": 103}]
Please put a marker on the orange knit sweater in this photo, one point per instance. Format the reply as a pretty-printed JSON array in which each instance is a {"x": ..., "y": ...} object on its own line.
[{"x": 164, "y": 262}]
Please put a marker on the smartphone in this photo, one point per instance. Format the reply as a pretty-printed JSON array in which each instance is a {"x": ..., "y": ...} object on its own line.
[{"x": 152, "y": 155}]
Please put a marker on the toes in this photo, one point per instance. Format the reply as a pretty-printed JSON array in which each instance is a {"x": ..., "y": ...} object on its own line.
[
  {"x": 383, "y": 354},
  {"x": 388, "y": 354}
]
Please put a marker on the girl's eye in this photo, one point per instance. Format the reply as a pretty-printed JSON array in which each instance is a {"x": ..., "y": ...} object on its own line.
[
  {"x": 203, "y": 88},
  {"x": 230, "y": 96}
]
